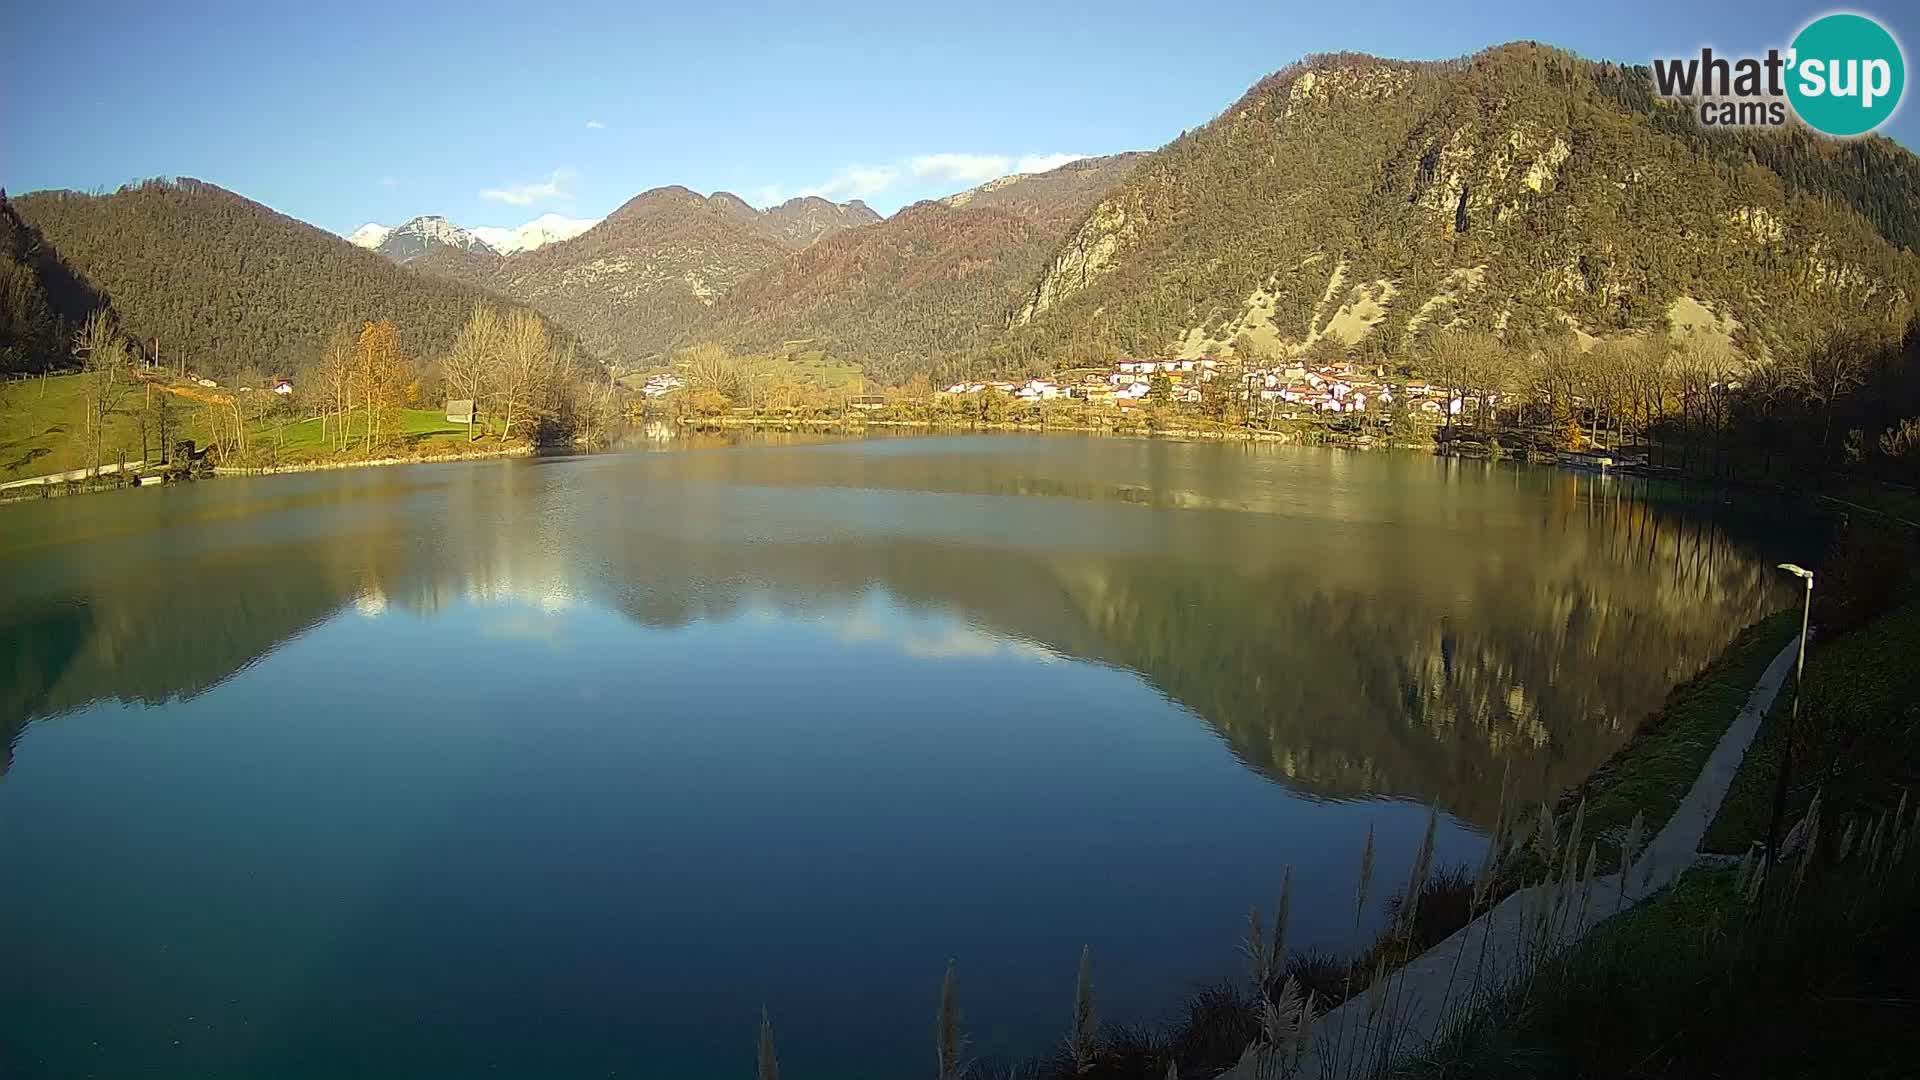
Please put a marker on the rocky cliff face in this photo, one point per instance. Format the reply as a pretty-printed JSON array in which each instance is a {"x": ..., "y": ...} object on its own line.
[
  {"x": 420, "y": 236},
  {"x": 1376, "y": 201}
]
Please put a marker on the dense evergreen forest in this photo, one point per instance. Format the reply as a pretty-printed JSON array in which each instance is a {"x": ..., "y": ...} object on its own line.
[
  {"x": 1874, "y": 175},
  {"x": 221, "y": 285},
  {"x": 42, "y": 300}
]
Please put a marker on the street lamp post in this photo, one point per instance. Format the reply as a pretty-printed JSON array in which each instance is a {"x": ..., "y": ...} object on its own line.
[{"x": 1793, "y": 722}]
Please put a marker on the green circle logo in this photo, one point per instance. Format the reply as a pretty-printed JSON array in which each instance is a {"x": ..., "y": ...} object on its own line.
[{"x": 1847, "y": 74}]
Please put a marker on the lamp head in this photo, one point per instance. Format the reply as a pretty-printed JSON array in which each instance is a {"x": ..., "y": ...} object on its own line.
[{"x": 1797, "y": 571}]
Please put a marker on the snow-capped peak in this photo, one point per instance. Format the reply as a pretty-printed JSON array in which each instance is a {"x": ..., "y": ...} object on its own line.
[
  {"x": 541, "y": 231},
  {"x": 424, "y": 233},
  {"x": 370, "y": 235},
  {"x": 434, "y": 229}
]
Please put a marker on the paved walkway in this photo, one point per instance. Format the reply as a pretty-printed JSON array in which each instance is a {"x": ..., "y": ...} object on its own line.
[
  {"x": 71, "y": 474},
  {"x": 1425, "y": 998}
]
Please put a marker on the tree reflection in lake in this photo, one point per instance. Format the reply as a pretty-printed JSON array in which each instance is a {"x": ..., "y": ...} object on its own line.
[
  {"x": 1350, "y": 624},
  {"x": 596, "y": 755}
]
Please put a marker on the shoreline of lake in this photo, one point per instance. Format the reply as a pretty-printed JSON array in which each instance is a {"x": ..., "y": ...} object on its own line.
[
  {"x": 1124, "y": 663},
  {"x": 513, "y": 450},
  {"x": 851, "y": 426}
]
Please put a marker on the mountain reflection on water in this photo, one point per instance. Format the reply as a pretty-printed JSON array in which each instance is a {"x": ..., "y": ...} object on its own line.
[{"x": 1350, "y": 624}]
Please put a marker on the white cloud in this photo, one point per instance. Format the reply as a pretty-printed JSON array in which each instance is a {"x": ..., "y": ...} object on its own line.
[
  {"x": 934, "y": 640},
  {"x": 979, "y": 168},
  {"x": 595, "y": 125},
  {"x": 953, "y": 169},
  {"x": 555, "y": 186},
  {"x": 961, "y": 168},
  {"x": 768, "y": 195},
  {"x": 856, "y": 182},
  {"x": 389, "y": 181},
  {"x": 1030, "y": 163}
]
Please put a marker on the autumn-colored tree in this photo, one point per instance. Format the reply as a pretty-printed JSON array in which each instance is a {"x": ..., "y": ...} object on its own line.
[
  {"x": 380, "y": 374},
  {"x": 712, "y": 367},
  {"x": 1160, "y": 389},
  {"x": 706, "y": 402}
]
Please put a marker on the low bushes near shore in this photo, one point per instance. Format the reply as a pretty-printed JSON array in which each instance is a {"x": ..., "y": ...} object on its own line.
[{"x": 1802, "y": 970}]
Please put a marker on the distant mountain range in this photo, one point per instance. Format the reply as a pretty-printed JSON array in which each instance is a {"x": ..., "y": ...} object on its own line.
[
  {"x": 541, "y": 231},
  {"x": 430, "y": 232},
  {"x": 935, "y": 280},
  {"x": 633, "y": 283},
  {"x": 1344, "y": 202},
  {"x": 672, "y": 266}
]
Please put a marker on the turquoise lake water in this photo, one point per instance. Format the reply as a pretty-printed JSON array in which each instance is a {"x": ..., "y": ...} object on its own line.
[{"x": 565, "y": 767}]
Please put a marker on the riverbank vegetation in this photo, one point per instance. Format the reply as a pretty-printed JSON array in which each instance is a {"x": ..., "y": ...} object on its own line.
[
  {"x": 1818, "y": 941},
  {"x": 363, "y": 398},
  {"x": 1840, "y": 416}
]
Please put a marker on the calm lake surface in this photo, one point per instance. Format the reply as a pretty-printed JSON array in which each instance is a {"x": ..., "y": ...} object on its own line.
[{"x": 563, "y": 768}]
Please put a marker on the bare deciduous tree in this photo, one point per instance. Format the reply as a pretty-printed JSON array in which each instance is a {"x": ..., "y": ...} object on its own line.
[
  {"x": 102, "y": 351},
  {"x": 472, "y": 361},
  {"x": 1471, "y": 365},
  {"x": 1827, "y": 372},
  {"x": 522, "y": 371},
  {"x": 712, "y": 367},
  {"x": 334, "y": 376}
]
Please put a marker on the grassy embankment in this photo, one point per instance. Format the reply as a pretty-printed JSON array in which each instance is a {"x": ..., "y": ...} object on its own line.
[
  {"x": 1648, "y": 777},
  {"x": 1819, "y": 947},
  {"x": 410, "y": 433},
  {"x": 43, "y": 430},
  {"x": 1803, "y": 970},
  {"x": 1655, "y": 769}
]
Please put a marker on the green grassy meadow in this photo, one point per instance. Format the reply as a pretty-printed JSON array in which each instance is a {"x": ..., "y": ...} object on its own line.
[{"x": 43, "y": 430}]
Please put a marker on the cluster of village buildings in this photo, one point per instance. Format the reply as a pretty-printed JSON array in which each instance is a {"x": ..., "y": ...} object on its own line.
[
  {"x": 661, "y": 385},
  {"x": 1296, "y": 388}
]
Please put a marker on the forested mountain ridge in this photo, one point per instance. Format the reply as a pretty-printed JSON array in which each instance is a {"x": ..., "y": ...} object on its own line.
[
  {"x": 633, "y": 283},
  {"x": 42, "y": 300},
  {"x": 800, "y": 221},
  {"x": 1344, "y": 201},
  {"x": 1054, "y": 200},
  {"x": 225, "y": 284},
  {"x": 1373, "y": 201},
  {"x": 923, "y": 291},
  {"x": 929, "y": 281},
  {"x": 1873, "y": 174}
]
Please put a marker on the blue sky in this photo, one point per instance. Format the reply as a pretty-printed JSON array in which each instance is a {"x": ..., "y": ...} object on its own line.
[{"x": 493, "y": 113}]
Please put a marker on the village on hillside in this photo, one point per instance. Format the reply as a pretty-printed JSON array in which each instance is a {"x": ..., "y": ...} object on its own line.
[{"x": 1295, "y": 389}]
